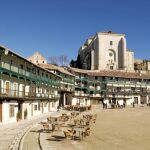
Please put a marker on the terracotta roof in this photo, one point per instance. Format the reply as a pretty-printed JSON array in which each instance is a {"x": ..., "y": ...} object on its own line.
[
  {"x": 113, "y": 73},
  {"x": 79, "y": 70},
  {"x": 122, "y": 74},
  {"x": 57, "y": 68}
]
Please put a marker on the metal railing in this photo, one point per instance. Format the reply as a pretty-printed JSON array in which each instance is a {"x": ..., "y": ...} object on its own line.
[{"x": 23, "y": 94}]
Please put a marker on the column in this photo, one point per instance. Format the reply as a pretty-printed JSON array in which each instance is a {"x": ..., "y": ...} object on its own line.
[
  {"x": 92, "y": 60},
  {"x": 64, "y": 99},
  {"x": 22, "y": 111},
  {"x": 147, "y": 99}
]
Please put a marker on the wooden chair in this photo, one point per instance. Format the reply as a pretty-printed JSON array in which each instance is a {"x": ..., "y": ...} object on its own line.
[
  {"x": 86, "y": 132},
  {"x": 81, "y": 122},
  {"x": 46, "y": 127},
  {"x": 70, "y": 134},
  {"x": 94, "y": 118}
]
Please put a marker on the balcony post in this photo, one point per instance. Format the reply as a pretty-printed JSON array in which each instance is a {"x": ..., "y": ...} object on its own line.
[
  {"x": 22, "y": 111},
  {"x": 1, "y": 83},
  {"x": 18, "y": 88},
  {"x": 147, "y": 99},
  {"x": 64, "y": 99}
]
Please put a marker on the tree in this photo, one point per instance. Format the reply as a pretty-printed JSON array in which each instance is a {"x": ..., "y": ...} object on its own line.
[
  {"x": 53, "y": 60},
  {"x": 73, "y": 63},
  {"x": 63, "y": 60},
  {"x": 79, "y": 64}
]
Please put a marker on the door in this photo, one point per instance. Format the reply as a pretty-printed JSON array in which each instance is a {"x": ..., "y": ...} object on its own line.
[
  {"x": 0, "y": 112},
  {"x": 135, "y": 100},
  {"x": 143, "y": 99},
  {"x": 15, "y": 90},
  {"x": 7, "y": 88}
]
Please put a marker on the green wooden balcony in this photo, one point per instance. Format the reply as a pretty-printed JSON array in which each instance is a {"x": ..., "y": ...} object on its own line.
[
  {"x": 10, "y": 93},
  {"x": 6, "y": 67}
]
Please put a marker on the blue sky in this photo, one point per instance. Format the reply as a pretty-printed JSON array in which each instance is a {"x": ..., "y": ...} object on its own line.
[{"x": 55, "y": 27}]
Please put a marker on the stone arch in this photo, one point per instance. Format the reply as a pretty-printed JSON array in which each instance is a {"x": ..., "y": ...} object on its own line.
[{"x": 121, "y": 53}]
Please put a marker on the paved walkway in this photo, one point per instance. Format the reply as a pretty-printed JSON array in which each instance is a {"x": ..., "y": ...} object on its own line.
[
  {"x": 31, "y": 140},
  {"x": 14, "y": 131}
]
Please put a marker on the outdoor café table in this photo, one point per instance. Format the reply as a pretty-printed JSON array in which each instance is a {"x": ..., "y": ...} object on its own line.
[
  {"x": 79, "y": 130},
  {"x": 55, "y": 117},
  {"x": 57, "y": 125}
]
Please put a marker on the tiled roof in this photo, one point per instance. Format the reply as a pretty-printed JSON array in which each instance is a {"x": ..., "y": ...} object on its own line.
[
  {"x": 57, "y": 68},
  {"x": 79, "y": 70},
  {"x": 120, "y": 74},
  {"x": 113, "y": 73}
]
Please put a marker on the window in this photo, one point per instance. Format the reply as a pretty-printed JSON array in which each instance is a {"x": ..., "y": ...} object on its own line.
[
  {"x": 118, "y": 89},
  {"x": 21, "y": 66},
  {"x": 136, "y": 100},
  {"x": 11, "y": 110},
  {"x": 111, "y": 68},
  {"x": 28, "y": 69},
  {"x": 110, "y": 54},
  {"x": 38, "y": 72},
  {"x": 111, "y": 42},
  {"x": 11, "y": 62},
  {"x": 35, "y": 107}
]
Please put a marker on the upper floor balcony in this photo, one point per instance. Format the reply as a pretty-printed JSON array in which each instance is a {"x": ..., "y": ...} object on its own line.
[
  {"x": 17, "y": 94},
  {"x": 13, "y": 69}
]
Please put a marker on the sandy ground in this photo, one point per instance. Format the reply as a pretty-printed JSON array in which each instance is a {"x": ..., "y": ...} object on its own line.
[{"x": 115, "y": 129}]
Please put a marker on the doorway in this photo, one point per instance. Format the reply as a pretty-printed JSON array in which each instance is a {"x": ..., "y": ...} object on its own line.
[
  {"x": 0, "y": 111},
  {"x": 7, "y": 88}
]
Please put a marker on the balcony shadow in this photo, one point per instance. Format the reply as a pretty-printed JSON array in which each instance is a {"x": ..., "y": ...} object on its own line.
[
  {"x": 42, "y": 131},
  {"x": 56, "y": 138}
]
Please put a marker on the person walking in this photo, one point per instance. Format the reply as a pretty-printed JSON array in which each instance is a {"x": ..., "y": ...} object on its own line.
[{"x": 133, "y": 105}]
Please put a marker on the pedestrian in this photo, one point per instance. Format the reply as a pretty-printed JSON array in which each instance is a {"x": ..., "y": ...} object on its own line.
[
  {"x": 103, "y": 104},
  {"x": 58, "y": 107},
  {"x": 133, "y": 105}
]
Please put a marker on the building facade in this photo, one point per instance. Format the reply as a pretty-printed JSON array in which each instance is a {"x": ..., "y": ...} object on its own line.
[
  {"x": 26, "y": 89},
  {"x": 37, "y": 58},
  {"x": 110, "y": 87},
  {"x": 67, "y": 88},
  {"x": 142, "y": 65},
  {"x": 105, "y": 51},
  {"x": 31, "y": 87}
]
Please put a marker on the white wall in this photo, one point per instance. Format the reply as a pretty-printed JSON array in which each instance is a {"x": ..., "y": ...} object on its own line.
[
  {"x": 104, "y": 47},
  {"x": 5, "y": 112},
  {"x": 129, "y": 60}
]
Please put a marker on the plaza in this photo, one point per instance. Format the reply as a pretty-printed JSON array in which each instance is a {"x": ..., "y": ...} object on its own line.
[{"x": 116, "y": 129}]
